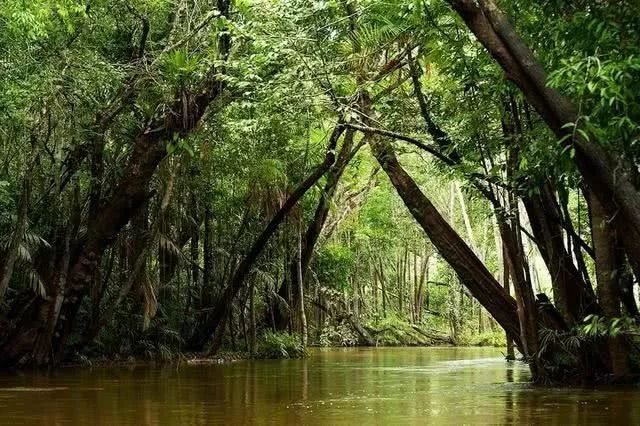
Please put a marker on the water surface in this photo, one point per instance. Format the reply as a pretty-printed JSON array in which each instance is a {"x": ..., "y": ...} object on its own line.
[{"x": 350, "y": 386}]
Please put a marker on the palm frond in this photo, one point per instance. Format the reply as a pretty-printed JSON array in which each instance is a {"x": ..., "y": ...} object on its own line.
[
  {"x": 282, "y": 304},
  {"x": 167, "y": 245},
  {"x": 150, "y": 302},
  {"x": 35, "y": 240},
  {"x": 24, "y": 254},
  {"x": 35, "y": 282}
]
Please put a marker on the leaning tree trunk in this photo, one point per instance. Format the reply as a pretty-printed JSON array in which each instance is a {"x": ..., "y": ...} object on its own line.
[
  {"x": 317, "y": 224},
  {"x": 212, "y": 323},
  {"x": 609, "y": 181},
  {"x": 32, "y": 335},
  {"x": 451, "y": 247}
]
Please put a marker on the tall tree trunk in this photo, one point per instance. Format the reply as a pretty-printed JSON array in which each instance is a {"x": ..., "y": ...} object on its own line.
[
  {"x": 301, "y": 320},
  {"x": 374, "y": 286},
  {"x": 383, "y": 284},
  {"x": 207, "y": 274},
  {"x": 452, "y": 248},
  {"x": 505, "y": 278},
  {"x": 252, "y": 317},
  {"x": 195, "y": 254},
  {"x": 608, "y": 178}
]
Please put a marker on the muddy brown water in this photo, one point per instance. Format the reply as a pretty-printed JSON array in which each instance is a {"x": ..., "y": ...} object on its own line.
[{"x": 334, "y": 386}]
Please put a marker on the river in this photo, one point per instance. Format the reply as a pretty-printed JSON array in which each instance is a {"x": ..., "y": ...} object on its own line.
[{"x": 334, "y": 386}]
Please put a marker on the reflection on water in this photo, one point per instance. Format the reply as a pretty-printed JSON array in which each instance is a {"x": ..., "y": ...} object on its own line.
[{"x": 351, "y": 386}]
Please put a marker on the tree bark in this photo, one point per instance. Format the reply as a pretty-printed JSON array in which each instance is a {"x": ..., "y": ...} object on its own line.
[
  {"x": 570, "y": 290},
  {"x": 207, "y": 273},
  {"x": 609, "y": 180},
  {"x": 452, "y": 248},
  {"x": 505, "y": 278},
  {"x": 608, "y": 272},
  {"x": 28, "y": 330}
]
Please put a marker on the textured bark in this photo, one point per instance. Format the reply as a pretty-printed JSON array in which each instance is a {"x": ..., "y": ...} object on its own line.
[
  {"x": 299, "y": 282},
  {"x": 609, "y": 268},
  {"x": 509, "y": 232},
  {"x": 572, "y": 294},
  {"x": 505, "y": 278},
  {"x": 207, "y": 273},
  {"x": 570, "y": 290}
]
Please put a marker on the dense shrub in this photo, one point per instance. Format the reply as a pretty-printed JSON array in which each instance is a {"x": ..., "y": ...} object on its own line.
[
  {"x": 338, "y": 335},
  {"x": 273, "y": 345}
]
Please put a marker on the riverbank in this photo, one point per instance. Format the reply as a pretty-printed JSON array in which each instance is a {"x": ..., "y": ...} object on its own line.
[
  {"x": 389, "y": 332},
  {"x": 175, "y": 359}
]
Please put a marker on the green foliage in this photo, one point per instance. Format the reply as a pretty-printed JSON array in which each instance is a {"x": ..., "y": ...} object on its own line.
[
  {"x": 595, "y": 326},
  {"x": 488, "y": 338},
  {"x": 334, "y": 265},
  {"x": 274, "y": 345},
  {"x": 294, "y": 68}
]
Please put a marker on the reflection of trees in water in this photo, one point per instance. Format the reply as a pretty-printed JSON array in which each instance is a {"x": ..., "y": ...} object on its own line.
[
  {"x": 383, "y": 386},
  {"x": 528, "y": 405}
]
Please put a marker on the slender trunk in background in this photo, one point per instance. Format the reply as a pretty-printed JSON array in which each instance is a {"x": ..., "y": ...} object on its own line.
[
  {"x": 505, "y": 278},
  {"x": 575, "y": 239},
  {"x": 195, "y": 253},
  {"x": 207, "y": 274},
  {"x": 232, "y": 332},
  {"x": 417, "y": 289},
  {"x": 299, "y": 293},
  {"x": 467, "y": 221},
  {"x": 383, "y": 284},
  {"x": 374, "y": 286},
  {"x": 423, "y": 292},
  {"x": 252, "y": 317},
  {"x": 400, "y": 281}
]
